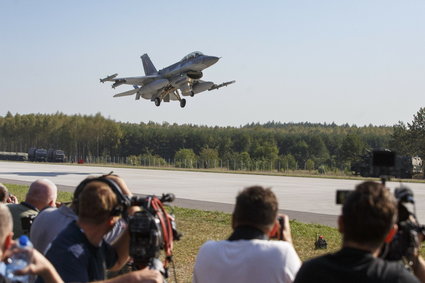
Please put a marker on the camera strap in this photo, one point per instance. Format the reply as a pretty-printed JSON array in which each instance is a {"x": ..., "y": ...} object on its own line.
[
  {"x": 166, "y": 226},
  {"x": 247, "y": 233}
]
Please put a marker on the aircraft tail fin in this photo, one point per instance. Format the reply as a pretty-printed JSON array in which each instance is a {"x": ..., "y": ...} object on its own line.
[{"x": 147, "y": 65}]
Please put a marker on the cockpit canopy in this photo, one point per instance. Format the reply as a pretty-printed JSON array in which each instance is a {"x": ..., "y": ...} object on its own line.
[{"x": 192, "y": 55}]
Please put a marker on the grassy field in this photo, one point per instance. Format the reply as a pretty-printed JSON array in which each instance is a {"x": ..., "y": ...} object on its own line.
[{"x": 199, "y": 226}]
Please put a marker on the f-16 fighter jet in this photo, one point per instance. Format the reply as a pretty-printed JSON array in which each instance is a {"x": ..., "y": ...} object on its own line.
[{"x": 171, "y": 83}]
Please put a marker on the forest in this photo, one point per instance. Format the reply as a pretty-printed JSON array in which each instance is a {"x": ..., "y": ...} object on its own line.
[{"x": 254, "y": 146}]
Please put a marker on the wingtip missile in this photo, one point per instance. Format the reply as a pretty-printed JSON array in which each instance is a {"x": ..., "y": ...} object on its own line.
[
  {"x": 108, "y": 78},
  {"x": 221, "y": 85}
]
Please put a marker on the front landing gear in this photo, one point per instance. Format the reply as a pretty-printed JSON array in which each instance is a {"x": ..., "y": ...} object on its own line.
[
  {"x": 157, "y": 101},
  {"x": 183, "y": 103}
]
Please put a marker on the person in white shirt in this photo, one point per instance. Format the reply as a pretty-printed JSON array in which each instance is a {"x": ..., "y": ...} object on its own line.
[{"x": 248, "y": 255}]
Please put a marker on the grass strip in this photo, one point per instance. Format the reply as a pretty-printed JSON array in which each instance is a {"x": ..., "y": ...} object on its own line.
[{"x": 199, "y": 226}]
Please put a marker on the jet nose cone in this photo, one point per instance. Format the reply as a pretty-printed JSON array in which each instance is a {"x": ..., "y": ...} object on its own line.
[{"x": 210, "y": 60}]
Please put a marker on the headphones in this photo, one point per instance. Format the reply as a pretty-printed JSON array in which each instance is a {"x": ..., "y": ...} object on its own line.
[{"x": 123, "y": 200}]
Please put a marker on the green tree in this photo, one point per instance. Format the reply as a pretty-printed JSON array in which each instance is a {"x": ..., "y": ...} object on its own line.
[
  {"x": 209, "y": 158},
  {"x": 185, "y": 158},
  {"x": 287, "y": 162},
  {"x": 309, "y": 165},
  {"x": 417, "y": 133},
  {"x": 352, "y": 147},
  {"x": 400, "y": 141}
]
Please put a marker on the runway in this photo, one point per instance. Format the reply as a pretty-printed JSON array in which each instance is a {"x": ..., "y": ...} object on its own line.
[{"x": 310, "y": 200}]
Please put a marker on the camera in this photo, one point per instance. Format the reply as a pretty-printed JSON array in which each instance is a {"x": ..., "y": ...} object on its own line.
[
  {"x": 341, "y": 196},
  {"x": 151, "y": 230},
  {"x": 26, "y": 223},
  {"x": 277, "y": 231},
  {"x": 405, "y": 243}
]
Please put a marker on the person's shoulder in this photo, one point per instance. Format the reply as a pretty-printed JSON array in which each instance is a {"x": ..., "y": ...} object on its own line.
[
  {"x": 13, "y": 205},
  {"x": 272, "y": 245},
  {"x": 47, "y": 211},
  {"x": 17, "y": 209},
  {"x": 70, "y": 240},
  {"x": 212, "y": 244},
  {"x": 394, "y": 269},
  {"x": 316, "y": 262},
  {"x": 71, "y": 233},
  {"x": 67, "y": 211}
]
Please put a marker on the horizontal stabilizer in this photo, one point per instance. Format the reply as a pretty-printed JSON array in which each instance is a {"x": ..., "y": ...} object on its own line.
[
  {"x": 221, "y": 85},
  {"x": 126, "y": 93}
]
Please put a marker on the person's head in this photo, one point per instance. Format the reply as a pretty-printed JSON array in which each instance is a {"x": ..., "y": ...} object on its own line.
[
  {"x": 42, "y": 193},
  {"x": 115, "y": 178},
  {"x": 4, "y": 193},
  {"x": 256, "y": 207},
  {"x": 96, "y": 203},
  {"x": 368, "y": 215},
  {"x": 5, "y": 229}
]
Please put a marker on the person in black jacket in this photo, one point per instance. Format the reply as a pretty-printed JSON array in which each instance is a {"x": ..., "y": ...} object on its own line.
[{"x": 368, "y": 220}]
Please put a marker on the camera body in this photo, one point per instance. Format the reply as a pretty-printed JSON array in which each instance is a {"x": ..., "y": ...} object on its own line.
[
  {"x": 405, "y": 243},
  {"x": 152, "y": 229},
  {"x": 146, "y": 239},
  {"x": 26, "y": 223}
]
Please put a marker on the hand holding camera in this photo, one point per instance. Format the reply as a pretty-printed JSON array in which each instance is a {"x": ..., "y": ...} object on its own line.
[{"x": 281, "y": 229}]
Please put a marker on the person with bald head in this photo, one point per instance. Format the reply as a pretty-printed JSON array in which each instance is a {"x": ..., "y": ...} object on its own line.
[
  {"x": 41, "y": 194},
  {"x": 39, "y": 265},
  {"x": 51, "y": 221}
]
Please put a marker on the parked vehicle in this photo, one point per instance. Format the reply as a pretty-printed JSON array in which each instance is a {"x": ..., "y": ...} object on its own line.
[
  {"x": 15, "y": 156},
  {"x": 401, "y": 166},
  {"x": 56, "y": 155}
]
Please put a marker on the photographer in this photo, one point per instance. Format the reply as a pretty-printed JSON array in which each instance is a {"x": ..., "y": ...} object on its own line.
[
  {"x": 248, "y": 255},
  {"x": 41, "y": 194},
  {"x": 39, "y": 265},
  {"x": 368, "y": 220},
  {"x": 51, "y": 221},
  {"x": 80, "y": 253}
]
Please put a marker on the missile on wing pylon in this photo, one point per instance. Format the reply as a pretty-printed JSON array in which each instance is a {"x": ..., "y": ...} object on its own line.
[
  {"x": 118, "y": 83},
  {"x": 108, "y": 78}
]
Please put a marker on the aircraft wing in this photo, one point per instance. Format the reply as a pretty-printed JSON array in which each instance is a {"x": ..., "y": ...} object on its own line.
[
  {"x": 215, "y": 86},
  {"x": 142, "y": 80}
]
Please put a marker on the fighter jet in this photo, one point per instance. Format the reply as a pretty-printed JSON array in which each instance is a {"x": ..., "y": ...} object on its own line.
[{"x": 171, "y": 83}]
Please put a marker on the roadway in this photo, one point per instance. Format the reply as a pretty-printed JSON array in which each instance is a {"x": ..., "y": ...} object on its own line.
[{"x": 310, "y": 200}]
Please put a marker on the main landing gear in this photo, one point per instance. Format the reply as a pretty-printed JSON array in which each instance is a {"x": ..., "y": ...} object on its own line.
[
  {"x": 183, "y": 103},
  {"x": 158, "y": 100}
]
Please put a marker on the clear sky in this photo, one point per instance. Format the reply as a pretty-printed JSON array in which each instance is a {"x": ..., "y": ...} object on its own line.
[{"x": 355, "y": 62}]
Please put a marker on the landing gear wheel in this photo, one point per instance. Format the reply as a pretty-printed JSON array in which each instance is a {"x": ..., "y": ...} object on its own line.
[
  {"x": 183, "y": 103},
  {"x": 192, "y": 94},
  {"x": 157, "y": 101}
]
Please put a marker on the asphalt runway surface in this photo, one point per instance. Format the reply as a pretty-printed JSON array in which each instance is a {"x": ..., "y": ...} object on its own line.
[{"x": 309, "y": 200}]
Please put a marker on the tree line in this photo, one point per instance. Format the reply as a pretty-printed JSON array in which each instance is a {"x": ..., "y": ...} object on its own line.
[{"x": 273, "y": 144}]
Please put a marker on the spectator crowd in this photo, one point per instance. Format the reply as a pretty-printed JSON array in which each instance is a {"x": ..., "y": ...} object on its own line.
[{"x": 88, "y": 239}]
